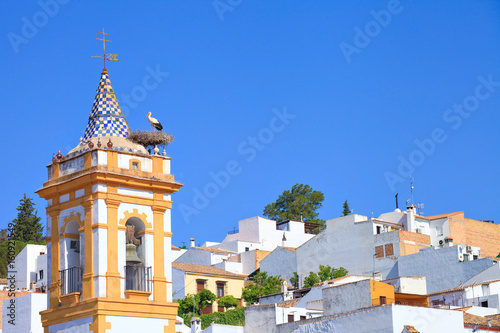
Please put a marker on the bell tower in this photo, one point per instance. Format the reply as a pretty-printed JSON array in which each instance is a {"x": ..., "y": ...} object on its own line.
[{"x": 108, "y": 230}]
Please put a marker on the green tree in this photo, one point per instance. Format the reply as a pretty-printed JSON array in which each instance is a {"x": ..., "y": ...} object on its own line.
[
  {"x": 206, "y": 297},
  {"x": 262, "y": 285},
  {"x": 228, "y": 301},
  {"x": 329, "y": 273},
  {"x": 200, "y": 300},
  {"x": 294, "y": 280},
  {"x": 301, "y": 203},
  {"x": 346, "y": 210},
  {"x": 325, "y": 273},
  {"x": 311, "y": 280},
  {"x": 27, "y": 226},
  {"x": 4, "y": 255}
]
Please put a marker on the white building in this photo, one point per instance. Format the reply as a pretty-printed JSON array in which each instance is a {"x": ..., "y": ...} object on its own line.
[
  {"x": 27, "y": 314},
  {"x": 31, "y": 267},
  {"x": 263, "y": 234},
  {"x": 485, "y": 294}
]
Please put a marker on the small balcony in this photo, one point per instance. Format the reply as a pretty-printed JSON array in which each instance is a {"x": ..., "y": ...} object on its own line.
[
  {"x": 71, "y": 280},
  {"x": 138, "y": 278}
]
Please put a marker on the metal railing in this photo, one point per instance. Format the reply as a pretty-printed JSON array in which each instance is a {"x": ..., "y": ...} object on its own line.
[
  {"x": 71, "y": 280},
  {"x": 138, "y": 278},
  {"x": 234, "y": 231}
]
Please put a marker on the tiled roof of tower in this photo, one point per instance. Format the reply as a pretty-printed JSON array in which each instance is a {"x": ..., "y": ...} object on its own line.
[{"x": 106, "y": 117}]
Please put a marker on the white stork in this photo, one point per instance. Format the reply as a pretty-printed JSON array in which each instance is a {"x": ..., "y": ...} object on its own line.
[{"x": 154, "y": 122}]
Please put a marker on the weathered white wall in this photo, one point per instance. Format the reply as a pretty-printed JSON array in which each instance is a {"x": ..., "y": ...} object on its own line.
[
  {"x": 27, "y": 316},
  {"x": 260, "y": 319},
  {"x": 26, "y": 265},
  {"x": 136, "y": 193},
  {"x": 196, "y": 257},
  {"x": 218, "y": 328},
  {"x": 124, "y": 162},
  {"x": 409, "y": 285},
  {"x": 280, "y": 262},
  {"x": 178, "y": 284},
  {"x": 135, "y": 324},
  {"x": 433, "y": 263},
  {"x": 74, "y": 326},
  {"x": 41, "y": 265},
  {"x": 346, "y": 298},
  {"x": 489, "y": 274},
  {"x": 234, "y": 267},
  {"x": 348, "y": 242},
  {"x": 389, "y": 319}
]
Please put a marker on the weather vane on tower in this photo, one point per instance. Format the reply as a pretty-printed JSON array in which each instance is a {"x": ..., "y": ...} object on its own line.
[{"x": 109, "y": 56}]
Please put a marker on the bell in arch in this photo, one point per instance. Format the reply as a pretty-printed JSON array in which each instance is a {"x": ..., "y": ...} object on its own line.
[{"x": 132, "y": 244}]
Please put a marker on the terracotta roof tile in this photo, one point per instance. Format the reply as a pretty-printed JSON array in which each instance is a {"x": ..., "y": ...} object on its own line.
[
  {"x": 288, "y": 248},
  {"x": 173, "y": 247},
  {"x": 481, "y": 321},
  {"x": 202, "y": 269},
  {"x": 410, "y": 329},
  {"x": 213, "y": 250}
]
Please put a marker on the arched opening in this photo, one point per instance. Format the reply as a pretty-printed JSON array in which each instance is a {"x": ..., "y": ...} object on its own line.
[
  {"x": 137, "y": 272},
  {"x": 71, "y": 273}
]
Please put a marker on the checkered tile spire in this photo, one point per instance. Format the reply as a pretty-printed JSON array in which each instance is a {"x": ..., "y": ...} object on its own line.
[{"x": 106, "y": 117}]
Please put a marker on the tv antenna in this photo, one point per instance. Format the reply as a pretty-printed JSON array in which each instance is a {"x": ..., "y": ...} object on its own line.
[
  {"x": 109, "y": 56},
  {"x": 411, "y": 188},
  {"x": 397, "y": 205},
  {"x": 420, "y": 206}
]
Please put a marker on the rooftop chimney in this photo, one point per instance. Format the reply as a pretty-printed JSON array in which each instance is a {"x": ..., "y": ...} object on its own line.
[
  {"x": 410, "y": 218},
  {"x": 191, "y": 242}
]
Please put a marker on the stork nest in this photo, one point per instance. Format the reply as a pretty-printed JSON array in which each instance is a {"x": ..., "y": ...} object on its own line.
[{"x": 147, "y": 138}]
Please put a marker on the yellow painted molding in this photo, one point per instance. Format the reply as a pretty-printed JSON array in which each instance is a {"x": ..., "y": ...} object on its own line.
[
  {"x": 99, "y": 225},
  {"x": 102, "y": 306},
  {"x": 167, "y": 234},
  {"x": 144, "y": 231},
  {"x": 131, "y": 161},
  {"x": 72, "y": 217},
  {"x": 110, "y": 202},
  {"x": 68, "y": 235},
  {"x": 135, "y": 213}
]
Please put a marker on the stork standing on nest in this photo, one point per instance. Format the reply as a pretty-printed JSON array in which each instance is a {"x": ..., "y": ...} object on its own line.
[{"x": 154, "y": 122}]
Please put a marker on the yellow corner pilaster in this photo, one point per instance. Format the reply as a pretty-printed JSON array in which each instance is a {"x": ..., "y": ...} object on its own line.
[
  {"x": 88, "y": 276},
  {"x": 55, "y": 285},
  {"x": 159, "y": 280},
  {"x": 100, "y": 325},
  {"x": 112, "y": 274}
]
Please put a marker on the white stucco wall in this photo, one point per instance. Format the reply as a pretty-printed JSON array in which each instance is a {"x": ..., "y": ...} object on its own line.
[
  {"x": 348, "y": 242},
  {"x": 135, "y": 324},
  {"x": 26, "y": 265},
  {"x": 27, "y": 317},
  {"x": 218, "y": 328},
  {"x": 74, "y": 326},
  {"x": 390, "y": 319},
  {"x": 280, "y": 262},
  {"x": 346, "y": 298},
  {"x": 124, "y": 162}
]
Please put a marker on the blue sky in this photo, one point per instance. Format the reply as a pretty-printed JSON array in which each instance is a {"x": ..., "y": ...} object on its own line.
[{"x": 346, "y": 96}]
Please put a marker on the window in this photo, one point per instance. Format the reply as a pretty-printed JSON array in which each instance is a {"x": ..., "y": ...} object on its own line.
[
  {"x": 379, "y": 229},
  {"x": 135, "y": 166},
  {"x": 40, "y": 274},
  {"x": 247, "y": 249},
  {"x": 200, "y": 285},
  {"x": 484, "y": 304},
  {"x": 302, "y": 317},
  {"x": 389, "y": 250},
  {"x": 475, "y": 257},
  {"x": 439, "y": 230},
  {"x": 382, "y": 300},
  {"x": 290, "y": 318},
  {"x": 379, "y": 251},
  {"x": 220, "y": 289}
]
